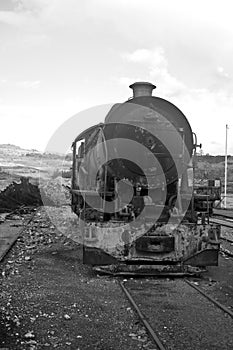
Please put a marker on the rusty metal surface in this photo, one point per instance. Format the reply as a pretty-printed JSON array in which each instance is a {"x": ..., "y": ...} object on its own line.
[
  {"x": 207, "y": 257},
  {"x": 188, "y": 240},
  {"x": 144, "y": 271}
]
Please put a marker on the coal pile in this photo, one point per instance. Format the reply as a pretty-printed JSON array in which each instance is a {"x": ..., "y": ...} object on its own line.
[{"x": 19, "y": 194}]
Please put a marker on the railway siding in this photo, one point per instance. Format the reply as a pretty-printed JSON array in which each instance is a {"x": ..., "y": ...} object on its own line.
[
  {"x": 49, "y": 299},
  {"x": 12, "y": 227},
  {"x": 182, "y": 317},
  {"x": 9, "y": 231},
  {"x": 53, "y": 280}
]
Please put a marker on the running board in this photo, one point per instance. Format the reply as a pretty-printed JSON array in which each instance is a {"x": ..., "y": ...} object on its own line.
[{"x": 148, "y": 270}]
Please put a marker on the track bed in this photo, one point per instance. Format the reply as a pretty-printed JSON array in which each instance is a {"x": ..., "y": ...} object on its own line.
[{"x": 180, "y": 316}]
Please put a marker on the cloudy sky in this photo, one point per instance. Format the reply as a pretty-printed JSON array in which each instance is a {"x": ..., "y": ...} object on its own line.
[{"x": 58, "y": 57}]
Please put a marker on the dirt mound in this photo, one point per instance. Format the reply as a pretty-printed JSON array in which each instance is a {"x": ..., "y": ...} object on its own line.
[
  {"x": 55, "y": 192},
  {"x": 19, "y": 194}
]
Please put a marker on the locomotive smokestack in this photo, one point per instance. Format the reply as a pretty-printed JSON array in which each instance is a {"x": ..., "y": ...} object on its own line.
[{"x": 142, "y": 88}]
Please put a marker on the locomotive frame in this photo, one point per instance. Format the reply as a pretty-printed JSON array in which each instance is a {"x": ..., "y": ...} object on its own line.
[{"x": 166, "y": 237}]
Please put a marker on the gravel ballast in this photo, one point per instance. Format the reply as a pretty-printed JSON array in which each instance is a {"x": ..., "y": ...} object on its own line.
[
  {"x": 183, "y": 318},
  {"x": 49, "y": 299}
]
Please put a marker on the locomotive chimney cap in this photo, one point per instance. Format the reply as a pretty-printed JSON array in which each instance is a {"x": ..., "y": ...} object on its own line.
[{"x": 142, "y": 88}]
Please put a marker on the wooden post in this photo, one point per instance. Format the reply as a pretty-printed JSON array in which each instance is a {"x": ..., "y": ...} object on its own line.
[{"x": 225, "y": 189}]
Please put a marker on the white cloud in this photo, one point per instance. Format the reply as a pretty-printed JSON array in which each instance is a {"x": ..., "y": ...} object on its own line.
[
  {"x": 222, "y": 73},
  {"x": 16, "y": 19},
  {"x": 207, "y": 110},
  {"x": 49, "y": 13},
  {"x": 156, "y": 70},
  {"x": 25, "y": 84},
  {"x": 208, "y": 113},
  {"x": 28, "y": 84},
  {"x": 152, "y": 57},
  {"x": 184, "y": 48}
]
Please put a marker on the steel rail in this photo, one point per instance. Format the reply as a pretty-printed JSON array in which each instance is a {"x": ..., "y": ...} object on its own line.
[
  {"x": 224, "y": 215},
  {"x": 222, "y": 222},
  {"x": 214, "y": 301},
  {"x": 142, "y": 318},
  {"x": 148, "y": 326},
  {"x": 17, "y": 236},
  {"x": 226, "y": 239},
  {"x": 227, "y": 218}
]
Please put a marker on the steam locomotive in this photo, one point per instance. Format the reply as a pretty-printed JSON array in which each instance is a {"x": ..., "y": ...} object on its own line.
[{"x": 132, "y": 188}]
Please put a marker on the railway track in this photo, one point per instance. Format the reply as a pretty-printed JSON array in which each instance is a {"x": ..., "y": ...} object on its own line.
[
  {"x": 223, "y": 217},
  {"x": 10, "y": 231},
  {"x": 223, "y": 213},
  {"x": 179, "y": 315},
  {"x": 223, "y": 221}
]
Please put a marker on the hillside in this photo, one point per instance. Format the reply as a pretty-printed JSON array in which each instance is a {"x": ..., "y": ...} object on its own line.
[{"x": 16, "y": 162}]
